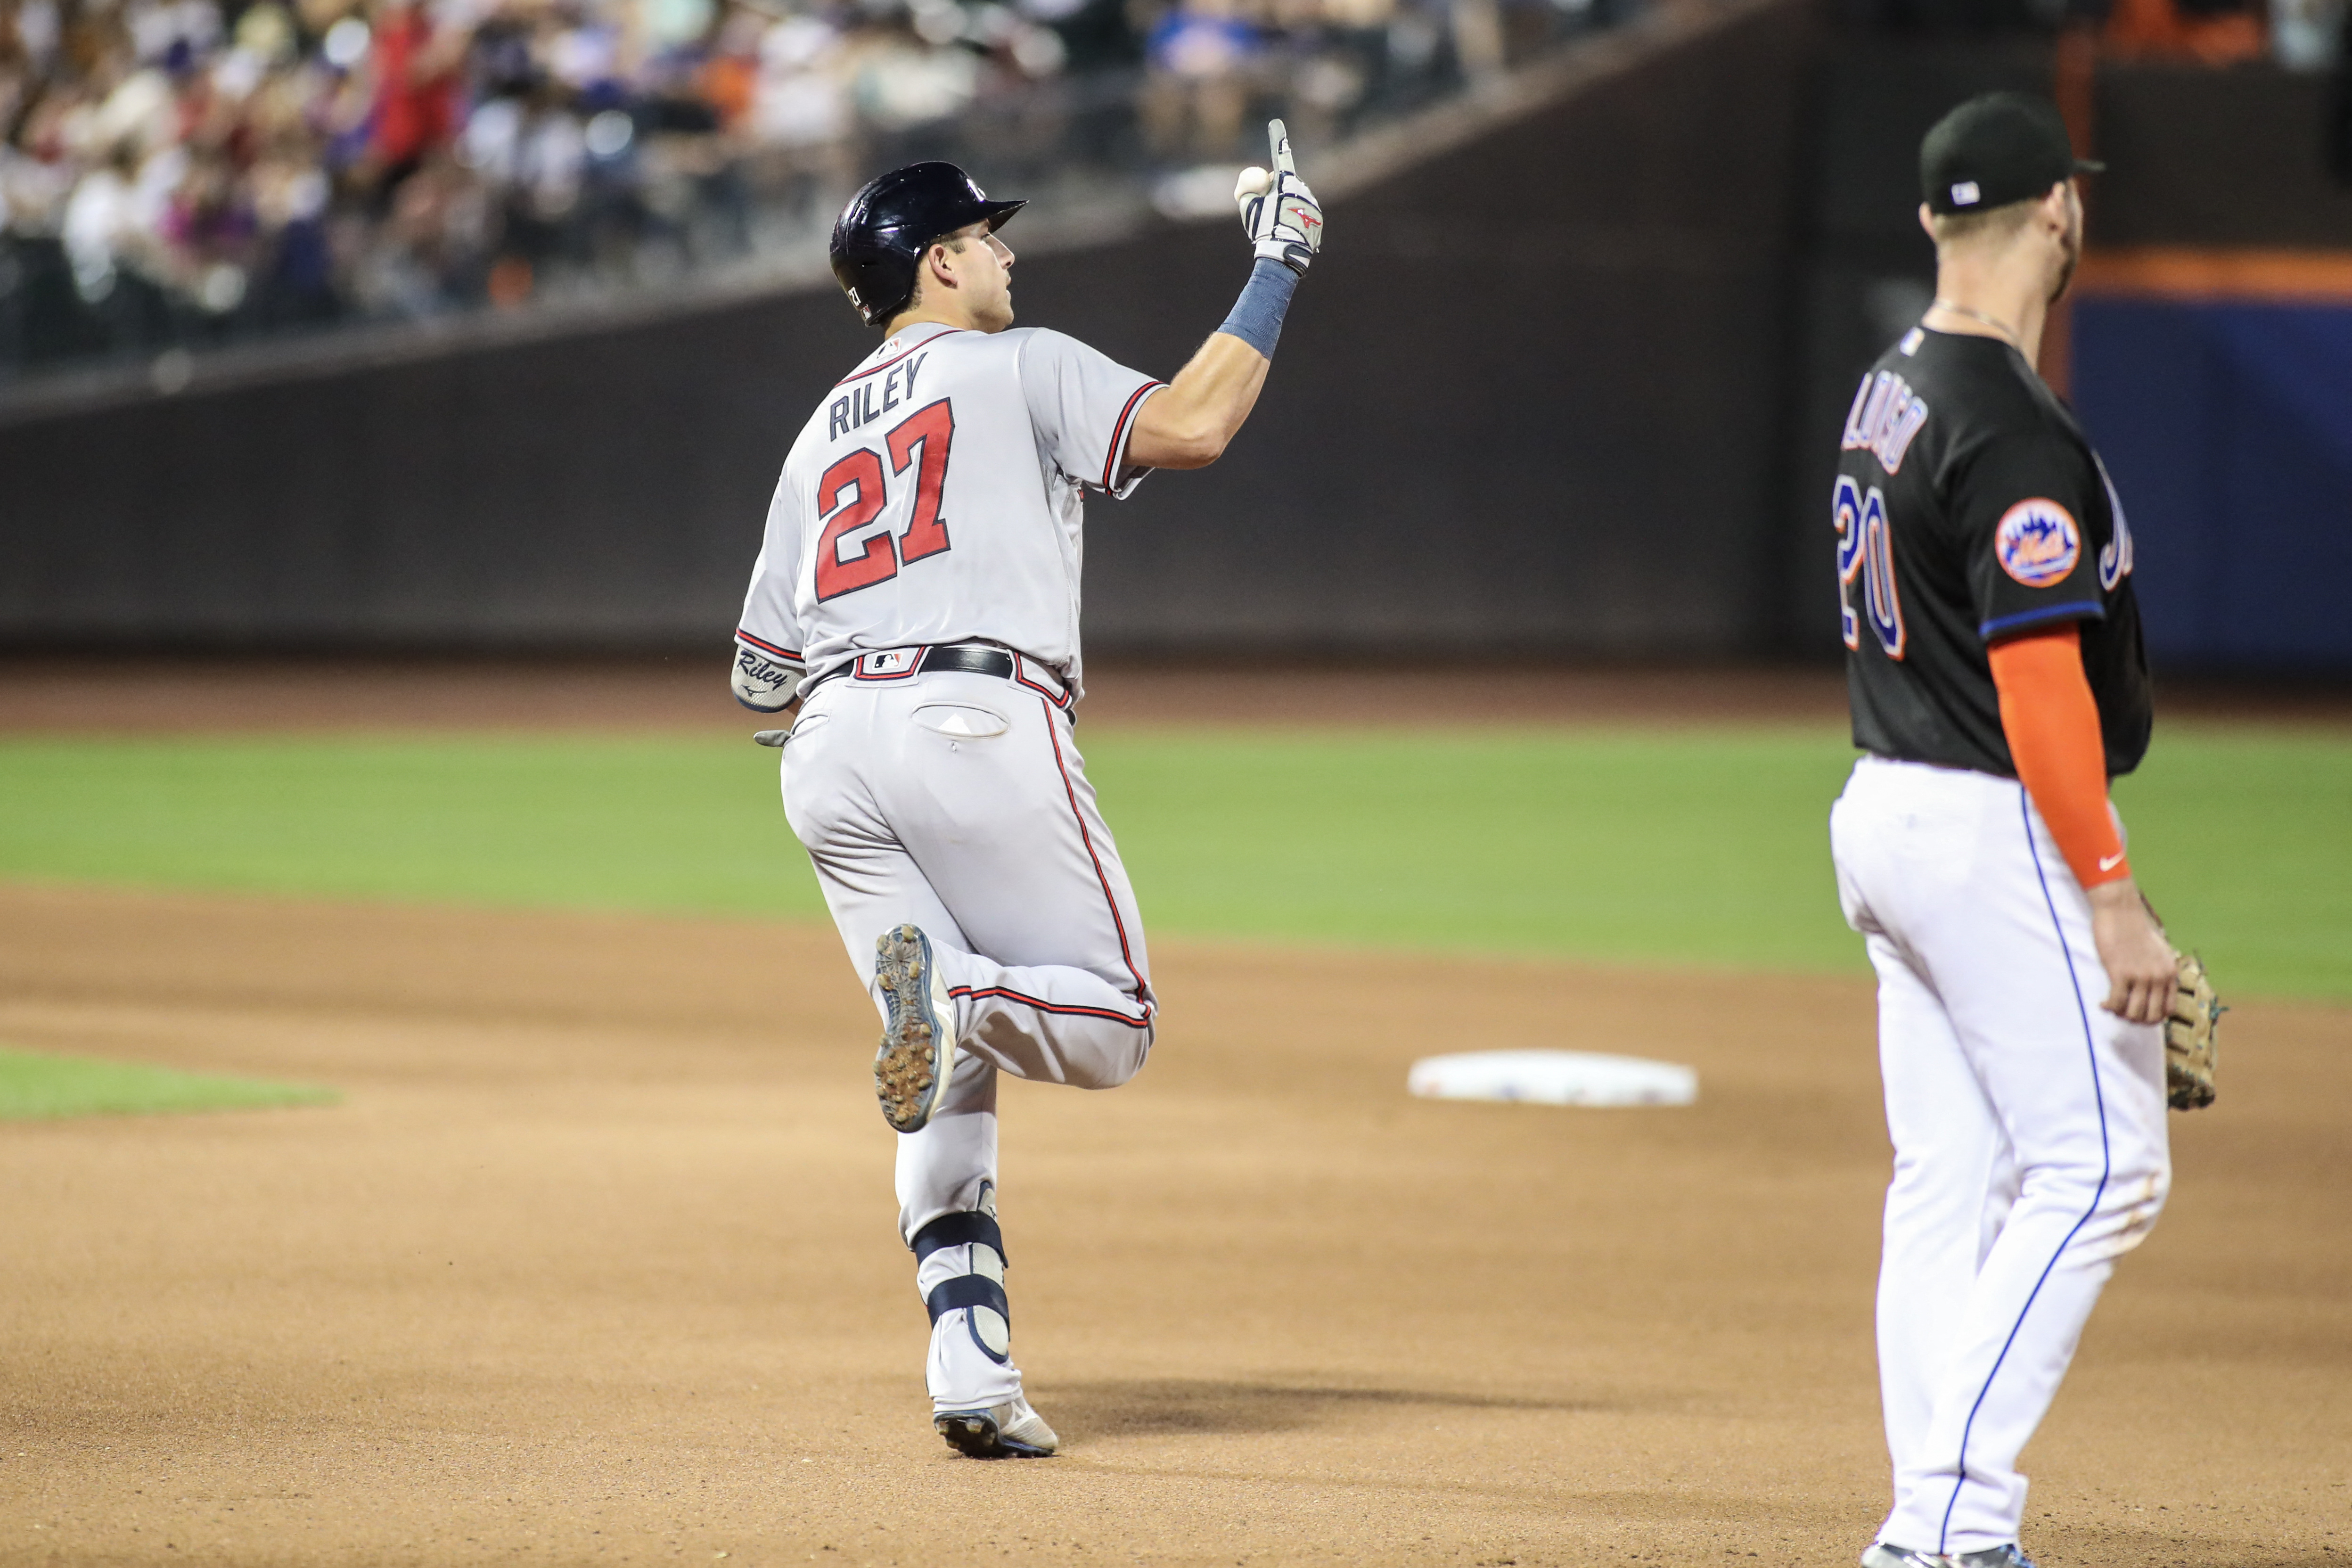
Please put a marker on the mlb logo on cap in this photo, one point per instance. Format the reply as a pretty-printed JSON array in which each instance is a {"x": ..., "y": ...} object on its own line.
[{"x": 1965, "y": 193}]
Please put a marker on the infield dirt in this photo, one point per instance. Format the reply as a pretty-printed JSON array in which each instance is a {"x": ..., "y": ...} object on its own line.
[{"x": 594, "y": 1263}]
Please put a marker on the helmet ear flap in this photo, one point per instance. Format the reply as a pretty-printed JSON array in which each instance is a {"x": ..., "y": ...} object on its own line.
[
  {"x": 903, "y": 284},
  {"x": 876, "y": 311},
  {"x": 878, "y": 282}
]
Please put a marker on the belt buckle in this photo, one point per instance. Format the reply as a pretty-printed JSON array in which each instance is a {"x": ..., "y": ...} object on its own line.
[{"x": 890, "y": 663}]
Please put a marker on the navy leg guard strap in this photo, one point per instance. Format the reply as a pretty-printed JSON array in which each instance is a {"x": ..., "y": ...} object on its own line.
[
  {"x": 960, "y": 1230},
  {"x": 968, "y": 1290}
]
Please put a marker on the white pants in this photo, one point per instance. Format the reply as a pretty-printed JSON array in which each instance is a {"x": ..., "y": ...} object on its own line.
[
  {"x": 957, "y": 803},
  {"x": 2028, "y": 1126}
]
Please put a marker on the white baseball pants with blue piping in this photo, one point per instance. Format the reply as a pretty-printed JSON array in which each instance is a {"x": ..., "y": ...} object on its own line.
[
  {"x": 2028, "y": 1125},
  {"x": 957, "y": 803}
]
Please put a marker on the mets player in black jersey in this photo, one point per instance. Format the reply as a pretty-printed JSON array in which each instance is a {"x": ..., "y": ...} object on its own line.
[{"x": 1997, "y": 683}]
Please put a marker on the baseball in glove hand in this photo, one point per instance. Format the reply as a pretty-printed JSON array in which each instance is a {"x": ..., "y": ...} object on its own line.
[
  {"x": 2190, "y": 1042},
  {"x": 1283, "y": 220}
]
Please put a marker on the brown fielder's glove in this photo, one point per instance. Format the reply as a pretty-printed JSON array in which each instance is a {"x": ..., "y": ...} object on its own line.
[{"x": 2190, "y": 1045}]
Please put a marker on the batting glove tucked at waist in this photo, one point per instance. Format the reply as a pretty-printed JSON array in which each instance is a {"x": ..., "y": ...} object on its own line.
[
  {"x": 764, "y": 685},
  {"x": 1281, "y": 216}
]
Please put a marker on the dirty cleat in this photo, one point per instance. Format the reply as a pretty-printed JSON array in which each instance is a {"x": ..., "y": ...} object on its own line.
[
  {"x": 918, "y": 1050},
  {"x": 2008, "y": 1556},
  {"x": 1885, "y": 1555},
  {"x": 1008, "y": 1431}
]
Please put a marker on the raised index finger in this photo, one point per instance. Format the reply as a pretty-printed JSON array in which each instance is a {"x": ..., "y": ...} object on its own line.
[{"x": 1278, "y": 137}]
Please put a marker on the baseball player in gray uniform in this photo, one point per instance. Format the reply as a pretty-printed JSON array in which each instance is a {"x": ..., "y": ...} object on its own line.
[{"x": 917, "y": 596}]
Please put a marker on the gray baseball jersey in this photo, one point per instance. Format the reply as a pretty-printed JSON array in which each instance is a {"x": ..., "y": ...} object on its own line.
[{"x": 936, "y": 496}]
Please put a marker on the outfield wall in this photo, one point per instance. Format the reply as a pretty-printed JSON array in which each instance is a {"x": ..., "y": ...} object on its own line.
[
  {"x": 2207, "y": 333},
  {"x": 1517, "y": 404},
  {"x": 1567, "y": 381}
]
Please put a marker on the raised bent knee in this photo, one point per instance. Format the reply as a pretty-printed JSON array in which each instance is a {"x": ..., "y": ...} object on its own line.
[{"x": 1115, "y": 1065}]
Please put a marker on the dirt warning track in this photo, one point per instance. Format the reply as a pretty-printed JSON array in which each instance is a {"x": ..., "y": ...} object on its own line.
[{"x": 594, "y": 1264}]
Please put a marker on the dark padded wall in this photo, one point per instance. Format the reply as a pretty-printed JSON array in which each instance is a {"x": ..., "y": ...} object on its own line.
[
  {"x": 2201, "y": 157},
  {"x": 600, "y": 489},
  {"x": 1530, "y": 398},
  {"x": 1868, "y": 271},
  {"x": 2198, "y": 158},
  {"x": 1527, "y": 399}
]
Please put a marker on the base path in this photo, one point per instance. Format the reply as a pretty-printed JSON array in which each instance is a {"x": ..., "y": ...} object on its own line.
[{"x": 594, "y": 1264}]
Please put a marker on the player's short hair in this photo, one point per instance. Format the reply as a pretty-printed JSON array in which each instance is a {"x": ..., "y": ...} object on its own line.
[{"x": 1992, "y": 223}]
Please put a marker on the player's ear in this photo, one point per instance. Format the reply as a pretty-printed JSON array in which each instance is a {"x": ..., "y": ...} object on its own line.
[
  {"x": 1927, "y": 220},
  {"x": 935, "y": 263}
]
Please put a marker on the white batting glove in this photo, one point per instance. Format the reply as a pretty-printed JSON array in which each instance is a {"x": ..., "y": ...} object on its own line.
[
  {"x": 1283, "y": 220},
  {"x": 764, "y": 685}
]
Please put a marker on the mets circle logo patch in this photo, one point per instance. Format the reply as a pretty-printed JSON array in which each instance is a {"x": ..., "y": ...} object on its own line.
[{"x": 2038, "y": 542}]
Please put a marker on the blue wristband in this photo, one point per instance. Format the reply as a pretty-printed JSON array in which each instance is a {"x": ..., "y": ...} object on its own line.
[{"x": 1257, "y": 314}]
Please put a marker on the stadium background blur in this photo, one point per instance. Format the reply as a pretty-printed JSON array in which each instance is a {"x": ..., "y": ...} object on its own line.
[
  {"x": 482, "y": 324},
  {"x": 182, "y": 173}
]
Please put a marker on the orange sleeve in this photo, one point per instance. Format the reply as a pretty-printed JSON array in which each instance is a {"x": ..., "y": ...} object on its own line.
[{"x": 2052, "y": 724}]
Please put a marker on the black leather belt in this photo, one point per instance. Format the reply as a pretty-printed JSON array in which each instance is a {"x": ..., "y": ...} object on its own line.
[
  {"x": 967, "y": 657},
  {"x": 971, "y": 658}
]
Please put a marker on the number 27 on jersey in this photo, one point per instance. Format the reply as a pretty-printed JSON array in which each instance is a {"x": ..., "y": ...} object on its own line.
[{"x": 852, "y": 494}]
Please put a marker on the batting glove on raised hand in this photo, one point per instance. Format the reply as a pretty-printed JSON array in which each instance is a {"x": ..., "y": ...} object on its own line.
[{"x": 1282, "y": 217}]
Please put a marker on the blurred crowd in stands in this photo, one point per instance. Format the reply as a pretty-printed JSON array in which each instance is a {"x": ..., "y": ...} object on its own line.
[
  {"x": 2299, "y": 34},
  {"x": 2308, "y": 38},
  {"x": 180, "y": 173},
  {"x": 177, "y": 174}
]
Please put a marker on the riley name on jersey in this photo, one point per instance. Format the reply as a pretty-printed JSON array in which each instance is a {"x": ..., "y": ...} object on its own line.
[{"x": 869, "y": 401}]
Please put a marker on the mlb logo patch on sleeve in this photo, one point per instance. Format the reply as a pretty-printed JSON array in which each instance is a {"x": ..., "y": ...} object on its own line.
[{"x": 2038, "y": 542}]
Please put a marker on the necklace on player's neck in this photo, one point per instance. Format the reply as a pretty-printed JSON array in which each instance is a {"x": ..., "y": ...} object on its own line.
[{"x": 1995, "y": 322}]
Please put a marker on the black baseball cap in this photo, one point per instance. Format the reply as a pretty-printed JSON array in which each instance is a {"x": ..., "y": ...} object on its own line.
[{"x": 1996, "y": 149}]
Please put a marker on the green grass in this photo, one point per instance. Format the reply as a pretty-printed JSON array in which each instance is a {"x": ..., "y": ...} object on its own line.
[
  {"x": 662, "y": 824},
  {"x": 36, "y": 1086},
  {"x": 1702, "y": 845},
  {"x": 2242, "y": 839}
]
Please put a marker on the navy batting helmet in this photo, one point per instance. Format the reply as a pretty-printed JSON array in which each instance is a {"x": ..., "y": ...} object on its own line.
[{"x": 883, "y": 231}]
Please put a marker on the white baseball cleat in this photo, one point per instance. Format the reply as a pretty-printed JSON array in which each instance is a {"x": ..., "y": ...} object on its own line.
[
  {"x": 1008, "y": 1431},
  {"x": 1884, "y": 1554},
  {"x": 918, "y": 1050},
  {"x": 2008, "y": 1556}
]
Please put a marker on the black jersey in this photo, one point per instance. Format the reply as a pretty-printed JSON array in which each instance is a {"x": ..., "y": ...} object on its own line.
[{"x": 1970, "y": 507}]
